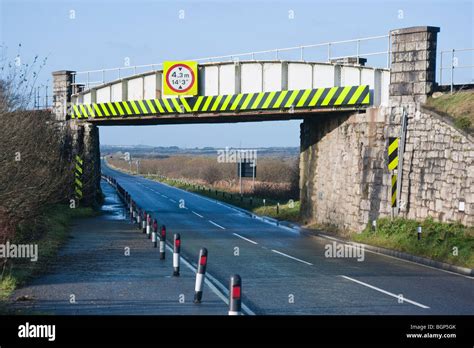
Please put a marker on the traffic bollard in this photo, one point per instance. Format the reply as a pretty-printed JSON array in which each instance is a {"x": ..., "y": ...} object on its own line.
[
  {"x": 374, "y": 225},
  {"x": 144, "y": 222},
  {"x": 177, "y": 248},
  {"x": 201, "y": 273},
  {"x": 235, "y": 294},
  {"x": 148, "y": 225},
  {"x": 132, "y": 213},
  {"x": 139, "y": 217},
  {"x": 162, "y": 242},
  {"x": 153, "y": 235},
  {"x": 419, "y": 232}
]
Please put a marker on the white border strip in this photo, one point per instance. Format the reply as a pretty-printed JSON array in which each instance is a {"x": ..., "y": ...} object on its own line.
[
  {"x": 192, "y": 211},
  {"x": 404, "y": 299},
  {"x": 242, "y": 237},
  {"x": 291, "y": 257},
  {"x": 212, "y": 222}
]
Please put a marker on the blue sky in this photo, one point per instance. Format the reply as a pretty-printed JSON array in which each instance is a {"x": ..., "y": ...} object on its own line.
[{"x": 104, "y": 33}]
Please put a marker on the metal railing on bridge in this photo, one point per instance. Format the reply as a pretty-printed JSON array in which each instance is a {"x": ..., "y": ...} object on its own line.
[
  {"x": 454, "y": 65},
  {"x": 327, "y": 51}
]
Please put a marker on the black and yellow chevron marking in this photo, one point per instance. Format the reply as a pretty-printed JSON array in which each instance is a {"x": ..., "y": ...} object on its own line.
[
  {"x": 78, "y": 165},
  {"x": 393, "y": 153},
  {"x": 297, "y": 99},
  {"x": 394, "y": 190}
]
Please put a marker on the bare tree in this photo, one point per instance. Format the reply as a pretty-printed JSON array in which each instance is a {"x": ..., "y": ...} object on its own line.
[{"x": 33, "y": 172}]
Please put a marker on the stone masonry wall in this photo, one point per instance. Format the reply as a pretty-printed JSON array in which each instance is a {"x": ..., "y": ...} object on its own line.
[
  {"x": 412, "y": 72},
  {"x": 344, "y": 176},
  {"x": 80, "y": 139},
  {"x": 438, "y": 170},
  {"x": 342, "y": 169}
]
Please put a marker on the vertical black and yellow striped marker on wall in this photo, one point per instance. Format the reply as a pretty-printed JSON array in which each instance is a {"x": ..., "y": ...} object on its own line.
[
  {"x": 78, "y": 177},
  {"x": 393, "y": 165},
  {"x": 393, "y": 153},
  {"x": 394, "y": 190}
]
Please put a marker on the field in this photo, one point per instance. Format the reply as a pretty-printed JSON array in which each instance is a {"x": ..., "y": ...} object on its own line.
[{"x": 276, "y": 179}]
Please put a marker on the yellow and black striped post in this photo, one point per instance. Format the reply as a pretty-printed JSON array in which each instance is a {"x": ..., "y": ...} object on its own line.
[
  {"x": 393, "y": 153},
  {"x": 78, "y": 167},
  {"x": 392, "y": 166},
  {"x": 394, "y": 190},
  {"x": 318, "y": 98}
]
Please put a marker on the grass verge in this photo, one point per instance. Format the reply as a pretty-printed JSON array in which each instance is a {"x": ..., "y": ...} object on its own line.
[
  {"x": 446, "y": 242},
  {"x": 49, "y": 232},
  {"x": 459, "y": 106},
  {"x": 288, "y": 211}
]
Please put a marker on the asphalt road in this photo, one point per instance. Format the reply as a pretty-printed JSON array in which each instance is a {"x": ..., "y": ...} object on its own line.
[
  {"x": 104, "y": 280},
  {"x": 286, "y": 272}
]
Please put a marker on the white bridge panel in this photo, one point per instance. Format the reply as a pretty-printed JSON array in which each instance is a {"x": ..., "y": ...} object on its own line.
[
  {"x": 227, "y": 76},
  {"x": 272, "y": 77},
  {"x": 350, "y": 76},
  {"x": 103, "y": 94},
  {"x": 385, "y": 83},
  {"x": 150, "y": 86},
  {"x": 299, "y": 76},
  {"x": 87, "y": 98},
  {"x": 116, "y": 92},
  {"x": 135, "y": 89},
  {"x": 209, "y": 80},
  {"x": 367, "y": 77},
  {"x": 251, "y": 77},
  {"x": 324, "y": 75}
]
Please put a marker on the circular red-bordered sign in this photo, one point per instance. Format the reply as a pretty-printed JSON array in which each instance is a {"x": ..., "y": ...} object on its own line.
[{"x": 187, "y": 85}]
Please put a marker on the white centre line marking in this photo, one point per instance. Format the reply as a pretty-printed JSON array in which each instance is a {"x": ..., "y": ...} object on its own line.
[
  {"x": 291, "y": 257},
  {"x": 385, "y": 292},
  {"x": 172, "y": 200},
  {"x": 196, "y": 214},
  {"x": 164, "y": 196},
  {"x": 212, "y": 222},
  {"x": 248, "y": 240}
]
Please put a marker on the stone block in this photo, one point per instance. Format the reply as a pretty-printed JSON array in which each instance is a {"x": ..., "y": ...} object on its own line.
[
  {"x": 421, "y": 98},
  {"x": 401, "y": 89},
  {"x": 419, "y": 88}
]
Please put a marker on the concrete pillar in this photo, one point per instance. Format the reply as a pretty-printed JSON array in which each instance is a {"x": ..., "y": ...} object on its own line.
[
  {"x": 412, "y": 75},
  {"x": 62, "y": 91}
]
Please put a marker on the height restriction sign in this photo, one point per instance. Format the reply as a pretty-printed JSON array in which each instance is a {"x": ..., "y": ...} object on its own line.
[{"x": 180, "y": 78}]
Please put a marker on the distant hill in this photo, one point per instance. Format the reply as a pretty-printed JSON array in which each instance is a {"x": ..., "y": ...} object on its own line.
[{"x": 147, "y": 151}]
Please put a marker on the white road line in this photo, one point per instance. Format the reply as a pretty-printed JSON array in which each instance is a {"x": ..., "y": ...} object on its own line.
[
  {"x": 385, "y": 292},
  {"x": 164, "y": 196},
  {"x": 172, "y": 200},
  {"x": 196, "y": 214},
  {"x": 291, "y": 257},
  {"x": 248, "y": 240},
  {"x": 212, "y": 222},
  {"x": 321, "y": 235}
]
